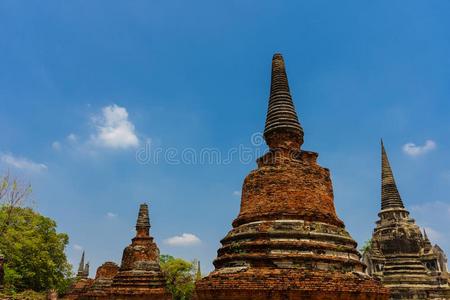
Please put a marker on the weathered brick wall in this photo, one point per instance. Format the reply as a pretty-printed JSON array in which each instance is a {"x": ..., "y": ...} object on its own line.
[
  {"x": 265, "y": 284},
  {"x": 142, "y": 251},
  {"x": 287, "y": 242},
  {"x": 288, "y": 185}
]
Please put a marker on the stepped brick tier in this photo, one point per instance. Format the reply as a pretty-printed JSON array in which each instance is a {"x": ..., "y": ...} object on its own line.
[
  {"x": 78, "y": 289},
  {"x": 399, "y": 254},
  {"x": 287, "y": 241},
  {"x": 102, "y": 282},
  {"x": 140, "y": 275}
]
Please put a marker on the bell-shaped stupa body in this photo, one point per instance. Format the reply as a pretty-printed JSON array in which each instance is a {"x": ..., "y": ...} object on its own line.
[
  {"x": 287, "y": 241},
  {"x": 140, "y": 276}
]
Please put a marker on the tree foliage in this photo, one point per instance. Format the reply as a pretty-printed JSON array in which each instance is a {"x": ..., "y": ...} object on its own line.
[
  {"x": 367, "y": 246},
  {"x": 33, "y": 251},
  {"x": 13, "y": 194},
  {"x": 180, "y": 275},
  {"x": 25, "y": 295}
]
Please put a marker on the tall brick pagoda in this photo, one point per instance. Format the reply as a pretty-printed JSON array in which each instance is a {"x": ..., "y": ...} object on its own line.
[
  {"x": 287, "y": 241},
  {"x": 140, "y": 275},
  {"x": 399, "y": 254}
]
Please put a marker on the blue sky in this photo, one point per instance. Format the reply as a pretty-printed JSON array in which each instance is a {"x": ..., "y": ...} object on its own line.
[{"x": 85, "y": 85}]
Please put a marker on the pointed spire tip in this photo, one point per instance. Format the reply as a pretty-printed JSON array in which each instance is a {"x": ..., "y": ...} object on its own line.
[
  {"x": 282, "y": 128},
  {"x": 390, "y": 197}
]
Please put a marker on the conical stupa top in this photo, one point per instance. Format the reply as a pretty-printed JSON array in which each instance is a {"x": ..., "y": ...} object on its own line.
[
  {"x": 427, "y": 245},
  {"x": 390, "y": 197},
  {"x": 281, "y": 114},
  {"x": 81, "y": 265},
  {"x": 143, "y": 220}
]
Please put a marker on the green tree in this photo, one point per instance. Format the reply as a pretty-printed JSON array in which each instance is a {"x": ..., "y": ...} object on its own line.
[
  {"x": 366, "y": 247},
  {"x": 13, "y": 193},
  {"x": 180, "y": 275},
  {"x": 33, "y": 250}
]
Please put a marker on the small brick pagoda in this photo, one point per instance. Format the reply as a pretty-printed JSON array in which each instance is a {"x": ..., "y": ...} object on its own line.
[
  {"x": 140, "y": 275},
  {"x": 399, "y": 254},
  {"x": 287, "y": 241},
  {"x": 82, "y": 281},
  {"x": 83, "y": 268}
]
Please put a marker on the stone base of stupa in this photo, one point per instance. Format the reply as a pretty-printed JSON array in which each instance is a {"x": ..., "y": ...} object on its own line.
[
  {"x": 141, "y": 295},
  {"x": 139, "y": 285},
  {"x": 78, "y": 289},
  {"x": 288, "y": 284},
  {"x": 415, "y": 292}
]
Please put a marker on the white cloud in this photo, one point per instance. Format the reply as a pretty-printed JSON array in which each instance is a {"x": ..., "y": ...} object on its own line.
[
  {"x": 415, "y": 150},
  {"x": 22, "y": 163},
  {"x": 111, "y": 215},
  {"x": 237, "y": 193},
  {"x": 72, "y": 138},
  {"x": 186, "y": 239},
  {"x": 77, "y": 247},
  {"x": 114, "y": 130},
  {"x": 56, "y": 146}
]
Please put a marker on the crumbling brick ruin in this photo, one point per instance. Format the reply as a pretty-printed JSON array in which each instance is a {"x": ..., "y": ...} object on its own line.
[
  {"x": 102, "y": 282},
  {"x": 82, "y": 281},
  {"x": 287, "y": 241},
  {"x": 139, "y": 276},
  {"x": 399, "y": 254}
]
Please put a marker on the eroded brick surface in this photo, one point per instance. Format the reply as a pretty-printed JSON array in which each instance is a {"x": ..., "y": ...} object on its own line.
[
  {"x": 401, "y": 256},
  {"x": 139, "y": 276},
  {"x": 79, "y": 288},
  {"x": 287, "y": 241},
  {"x": 103, "y": 280}
]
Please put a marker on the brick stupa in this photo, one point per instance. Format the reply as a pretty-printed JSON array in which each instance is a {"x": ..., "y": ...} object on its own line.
[
  {"x": 102, "y": 282},
  {"x": 82, "y": 281},
  {"x": 140, "y": 275},
  {"x": 400, "y": 254},
  {"x": 287, "y": 241}
]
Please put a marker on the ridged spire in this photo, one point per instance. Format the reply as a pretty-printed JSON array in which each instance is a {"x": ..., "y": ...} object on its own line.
[
  {"x": 281, "y": 115},
  {"x": 390, "y": 197},
  {"x": 82, "y": 268},
  {"x": 426, "y": 240},
  {"x": 143, "y": 221}
]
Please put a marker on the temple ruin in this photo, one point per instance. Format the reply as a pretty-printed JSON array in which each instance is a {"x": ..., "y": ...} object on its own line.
[
  {"x": 82, "y": 281},
  {"x": 399, "y": 254},
  {"x": 287, "y": 241},
  {"x": 83, "y": 268},
  {"x": 102, "y": 282},
  {"x": 139, "y": 276}
]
